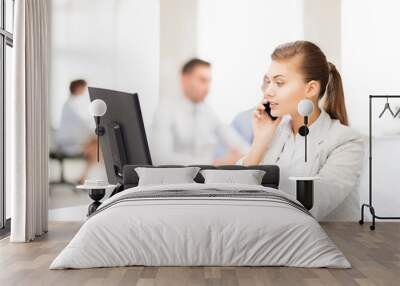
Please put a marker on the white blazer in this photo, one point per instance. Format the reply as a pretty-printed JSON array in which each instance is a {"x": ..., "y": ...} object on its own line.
[
  {"x": 335, "y": 155},
  {"x": 76, "y": 126}
]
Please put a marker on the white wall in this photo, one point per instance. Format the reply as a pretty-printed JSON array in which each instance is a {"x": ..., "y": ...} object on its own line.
[
  {"x": 111, "y": 44},
  {"x": 238, "y": 36},
  {"x": 370, "y": 65},
  {"x": 322, "y": 25},
  {"x": 178, "y": 42},
  {"x": 371, "y": 59}
]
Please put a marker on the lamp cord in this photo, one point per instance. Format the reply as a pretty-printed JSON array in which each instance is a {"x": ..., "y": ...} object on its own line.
[
  {"x": 305, "y": 137},
  {"x": 98, "y": 147},
  {"x": 97, "y": 118},
  {"x": 305, "y": 151}
]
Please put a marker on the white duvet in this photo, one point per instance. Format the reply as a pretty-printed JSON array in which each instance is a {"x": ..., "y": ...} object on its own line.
[{"x": 200, "y": 231}]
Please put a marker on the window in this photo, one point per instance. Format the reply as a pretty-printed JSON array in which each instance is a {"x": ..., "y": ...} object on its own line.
[{"x": 6, "y": 44}]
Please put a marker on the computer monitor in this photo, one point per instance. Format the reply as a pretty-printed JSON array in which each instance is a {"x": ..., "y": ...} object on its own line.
[{"x": 124, "y": 141}]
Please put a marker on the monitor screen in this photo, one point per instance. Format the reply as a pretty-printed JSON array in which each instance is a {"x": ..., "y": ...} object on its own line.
[{"x": 124, "y": 141}]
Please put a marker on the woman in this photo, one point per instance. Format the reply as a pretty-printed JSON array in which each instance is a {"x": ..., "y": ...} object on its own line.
[{"x": 299, "y": 70}]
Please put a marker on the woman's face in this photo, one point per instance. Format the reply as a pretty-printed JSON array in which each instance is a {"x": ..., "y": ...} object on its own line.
[{"x": 284, "y": 87}]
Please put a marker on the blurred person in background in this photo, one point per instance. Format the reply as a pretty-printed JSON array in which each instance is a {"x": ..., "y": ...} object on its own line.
[
  {"x": 75, "y": 135},
  {"x": 185, "y": 130},
  {"x": 242, "y": 124}
]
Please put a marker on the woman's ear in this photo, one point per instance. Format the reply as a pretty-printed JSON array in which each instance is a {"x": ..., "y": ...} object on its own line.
[{"x": 312, "y": 89}]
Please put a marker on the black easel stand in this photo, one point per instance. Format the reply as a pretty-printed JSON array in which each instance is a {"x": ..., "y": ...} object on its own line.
[{"x": 369, "y": 205}]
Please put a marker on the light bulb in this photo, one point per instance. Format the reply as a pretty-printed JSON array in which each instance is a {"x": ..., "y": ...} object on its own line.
[
  {"x": 305, "y": 107},
  {"x": 98, "y": 107}
]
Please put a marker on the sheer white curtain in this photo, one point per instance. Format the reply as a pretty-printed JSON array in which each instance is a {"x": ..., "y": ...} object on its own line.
[{"x": 27, "y": 150}]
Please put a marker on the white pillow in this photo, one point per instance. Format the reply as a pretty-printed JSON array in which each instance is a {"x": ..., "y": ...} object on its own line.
[
  {"x": 248, "y": 177},
  {"x": 162, "y": 176}
]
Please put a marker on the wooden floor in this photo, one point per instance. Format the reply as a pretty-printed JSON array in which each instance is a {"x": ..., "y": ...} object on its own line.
[{"x": 375, "y": 257}]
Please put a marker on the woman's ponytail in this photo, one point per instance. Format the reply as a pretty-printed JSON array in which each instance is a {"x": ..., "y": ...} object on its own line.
[{"x": 334, "y": 103}]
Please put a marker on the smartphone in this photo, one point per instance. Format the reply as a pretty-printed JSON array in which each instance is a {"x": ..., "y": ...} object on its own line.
[{"x": 268, "y": 111}]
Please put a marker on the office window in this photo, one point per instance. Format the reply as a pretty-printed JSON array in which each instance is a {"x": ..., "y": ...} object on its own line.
[{"x": 6, "y": 44}]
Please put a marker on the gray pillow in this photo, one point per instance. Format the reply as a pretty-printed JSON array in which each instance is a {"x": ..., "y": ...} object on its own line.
[
  {"x": 162, "y": 176},
  {"x": 248, "y": 177}
]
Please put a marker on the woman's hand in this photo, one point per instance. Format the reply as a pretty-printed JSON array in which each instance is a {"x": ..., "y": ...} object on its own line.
[
  {"x": 263, "y": 125},
  {"x": 264, "y": 130}
]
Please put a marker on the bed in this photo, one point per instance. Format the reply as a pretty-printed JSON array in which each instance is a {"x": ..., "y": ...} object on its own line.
[{"x": 201, "y": 224}]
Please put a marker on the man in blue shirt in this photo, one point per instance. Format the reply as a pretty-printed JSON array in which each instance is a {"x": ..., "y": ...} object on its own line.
[{"x": 242, "y": 123}]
